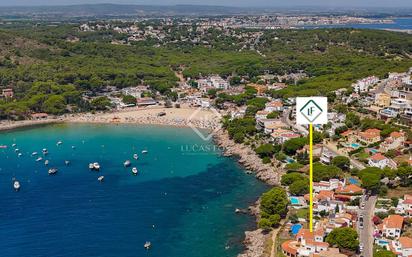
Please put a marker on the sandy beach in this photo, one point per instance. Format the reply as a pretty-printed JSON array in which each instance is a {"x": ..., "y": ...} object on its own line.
[{"x": 180, "y": 117}]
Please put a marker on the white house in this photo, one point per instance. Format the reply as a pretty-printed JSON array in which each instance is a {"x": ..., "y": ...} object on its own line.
[
  {"x": 380, "y": 161},
  {"x": 404, "y": 206},
  {"x": 391, "y": 226}
]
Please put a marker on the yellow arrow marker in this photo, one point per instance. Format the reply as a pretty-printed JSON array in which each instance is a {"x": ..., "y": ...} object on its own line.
[{"x": 311, "y": 177}]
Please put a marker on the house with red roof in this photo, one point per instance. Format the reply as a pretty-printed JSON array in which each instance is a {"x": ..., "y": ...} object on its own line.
[
  {"x": 350, "y": 189},
  {"x": 396, "y": 140},
  {"x": 405, "y": 247},
  {"x": 306, "y": 243},
  {"x": 391, "y": 227},
  {"x": 370, "y": 136},
  {"x": 380, "y": 161},
  {"x": 404, "y": 206}
]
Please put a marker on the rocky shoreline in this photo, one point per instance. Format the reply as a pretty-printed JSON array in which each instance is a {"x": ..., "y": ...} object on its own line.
[
  {"x": 254, "y": 240},
  {"x": 248, "y": 158}
]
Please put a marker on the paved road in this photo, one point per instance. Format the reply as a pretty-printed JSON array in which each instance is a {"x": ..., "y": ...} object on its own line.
[{"x": 366, "y": 233}]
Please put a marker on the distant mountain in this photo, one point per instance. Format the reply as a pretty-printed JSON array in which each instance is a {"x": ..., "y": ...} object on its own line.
[{"x": 124, "y": 11}]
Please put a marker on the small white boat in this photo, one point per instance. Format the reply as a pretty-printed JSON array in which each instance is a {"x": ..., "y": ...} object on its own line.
[
  {"x": 39, "y": 159},
  {"x": 127, "y": 163},
  {"x": 33, "y": 153},
  {"x": 147, "y": 245},
  {"x": 144, "y": 151},
  {"x": 135, "y": 156},
  {"x": 67, "y": 163},
  {"x": 59, "y": 143},
  {"x": 94, "y": 166},
  {"x": 134, "y": 171},
  {"x": 100, "y": 179},
  {"x": 45, "y": 151},
  {"x": 17, "y": 150},
  {"x": 13, "y": 145},
  {"x": 52, "y": 171},
  {"x": 46, "y": 162},
  {"x": 73, "y": 147},
  {"x": 20, "y": 154},
  {"x": 16, "y": 185}
]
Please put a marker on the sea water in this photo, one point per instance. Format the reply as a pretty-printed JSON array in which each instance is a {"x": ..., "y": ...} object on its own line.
[{"x": 182, "y": 200}]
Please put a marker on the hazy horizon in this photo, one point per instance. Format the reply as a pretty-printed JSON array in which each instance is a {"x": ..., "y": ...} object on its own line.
[{"x": 229, "y": 3}]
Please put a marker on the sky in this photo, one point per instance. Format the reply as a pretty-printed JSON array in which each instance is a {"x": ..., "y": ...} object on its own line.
[{"x": 239, "y": 3}]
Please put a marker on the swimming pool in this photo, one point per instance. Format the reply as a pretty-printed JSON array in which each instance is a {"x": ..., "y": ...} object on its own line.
[
  {"x": 353, "y": 181},
  {"x": 294, "y": 200},
  {"x": 354, "y": 145},
  {"x": 383, "y": 242},
  {"x": 290, "y": 160},
  {"x": 295, "y": 228},
  {"x": 372, "y": 150}
]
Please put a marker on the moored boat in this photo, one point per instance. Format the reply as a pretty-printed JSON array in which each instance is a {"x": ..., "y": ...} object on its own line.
[
  {"x": 39, "y": 159},
  {"x": 147, "y": 245},
  {"x": 33, "y": 153},
  {"x": 67, "y": 163},
  {"x": 45, "y": 151},
  {"x": 134, "y": 171},
  {"x": 100, "y": 179},
  {"x": 16, "y": 185},
  {"x": 94, "y": 166},
  {"x": 52, "y": 171},
  {"x": 135, "y": 156},
  {"x": 127, "y": 163},
  {"x": 59, "y": 143},
  {"x": 46, "y": 162},
  {"x": 144, "y": 151}
]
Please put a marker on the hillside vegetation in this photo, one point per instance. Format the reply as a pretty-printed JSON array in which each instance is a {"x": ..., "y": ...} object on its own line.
[{"x": 42, "y": 57}]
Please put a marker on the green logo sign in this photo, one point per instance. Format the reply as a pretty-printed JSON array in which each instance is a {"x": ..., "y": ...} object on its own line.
[{"x": 311, "y": 111}]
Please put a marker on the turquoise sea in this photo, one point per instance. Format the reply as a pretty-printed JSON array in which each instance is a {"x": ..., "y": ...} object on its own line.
[{"x": 182, "y": 201}]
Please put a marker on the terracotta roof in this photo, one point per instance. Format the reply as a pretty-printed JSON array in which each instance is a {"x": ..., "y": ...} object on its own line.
[
  {"x": 350, "y": 189},
  {"x": 370, "y": 133},
  {"x": 347, "y": 132},
  {"x": 393, "y": 221},
  {"x": 396, "y": 134},
  {"x": 315, "y": 243},
  {"x": 290, "y": 247},
  {"x": 343, "y": 197},
  {"x": 275, "y": 104},
  {"x": 331, "y": 252},
  {"x": 324, "y": 194},
  {"x": 377, "y": 157},
  {"x": 305, "y": 234},
  {"x": 406, "y": 242}
]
